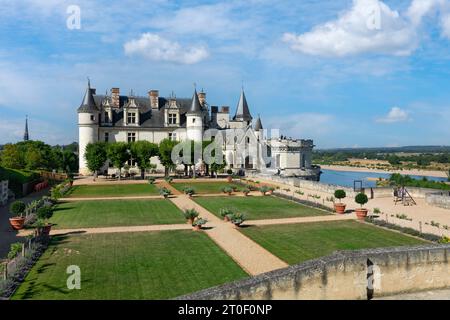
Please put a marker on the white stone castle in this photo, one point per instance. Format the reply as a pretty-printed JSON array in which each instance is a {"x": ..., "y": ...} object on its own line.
[{"x": 114, "y": 117}]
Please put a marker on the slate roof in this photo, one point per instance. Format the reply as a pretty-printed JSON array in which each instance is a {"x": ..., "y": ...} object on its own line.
[
  {"x": 149, "y": 118},
  {"x": 88, "y": 104},
  {"x": 258, "y": 124},
  {"x": 242, "y": 110}
]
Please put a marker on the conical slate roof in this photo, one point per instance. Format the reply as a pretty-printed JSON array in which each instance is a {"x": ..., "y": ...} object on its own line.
[
  {"x": 242, "y": 111},
  {"x": 258, "y": 125},
  {"x": 195, "y": 106},
  {"x": 88, "y": 104}
]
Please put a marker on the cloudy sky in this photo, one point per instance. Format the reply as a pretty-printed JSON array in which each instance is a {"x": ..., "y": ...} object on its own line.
[{"x": 342, "y": 72}]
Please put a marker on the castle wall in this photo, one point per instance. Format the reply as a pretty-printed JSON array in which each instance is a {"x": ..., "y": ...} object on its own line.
[{"x": 355, "y": 275}]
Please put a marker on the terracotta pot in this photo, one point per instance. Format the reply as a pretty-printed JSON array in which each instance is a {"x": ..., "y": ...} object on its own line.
[
  {"x": 230, "y": 179},
  {"x": 245, "y": 193},
  {"x": 197, "y": 228},
  {"x": 17, "y": 223},
  {"x": 229, "y": 193},
  {"x": 44, "y": 231},
  {"x": 361, "y": 213},
  {"x": 339, "y": 208},
  {"x": 190, "y": 221},
  {"x": 226, "y": 219}
]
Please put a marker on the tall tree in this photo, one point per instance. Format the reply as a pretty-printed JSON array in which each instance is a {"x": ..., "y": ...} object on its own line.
[
  {"x": 95, "y": 156},
  {"x": 142, "y": 151},
  {"x": 118, "y": 153},
  {"x": 12, "y": 157},
  {"x": 165, "y": 154}
]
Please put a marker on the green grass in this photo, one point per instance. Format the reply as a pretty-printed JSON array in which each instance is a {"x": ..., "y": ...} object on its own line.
[
  {"x": 116, "y": 190},
  {"x": 108, "y": 213},
  {"x": 300, "y": 242},
  {"x": 152, "y": 265},
  {"x": 267, "y": 207},
  {"x": 205, "y": 187}
]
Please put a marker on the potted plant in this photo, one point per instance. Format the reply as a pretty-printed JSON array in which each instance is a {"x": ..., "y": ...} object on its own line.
[
  {"x": 246, "y": 191},
  {"x": 190, "y": 215},
  {"x": 189, "y": 191},
  {"x": 199, "y": 223},
  {"x": 237, "y": 219},
  {"x": 339, "y": 207},
  {"x": 168, "y": 180},
  {"x": 361, "y": 199},
  {"x": 165, "y": 192},
  {"x": 227, "y": 190},
  {"x": 264, "y": 190},
  {"x": 17, "y": 208},
  {"x": 230, "y": 177},
  {"x": 226, "y": 214},
  {"x": 43, "y": 227},
  {"x": 272, "y": 189},
  {"x": 151, "y": 180}
]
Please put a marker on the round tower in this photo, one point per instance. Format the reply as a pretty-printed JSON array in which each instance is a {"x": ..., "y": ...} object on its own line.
[
  {"x": 88, "y": 123},
  {"x": 194, "y": 120}
]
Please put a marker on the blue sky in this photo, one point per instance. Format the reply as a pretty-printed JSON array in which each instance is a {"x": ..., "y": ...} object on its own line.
[{"x": 342, "y": 72}]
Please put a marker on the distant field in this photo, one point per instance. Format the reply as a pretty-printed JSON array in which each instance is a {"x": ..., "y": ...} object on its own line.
[
  {"x": 205, "y": 187},
  {"x": 259, "y": 207},
  {"x": 116, "y": 190},
  {"x": 109, "y": 213},
  {"x": 300, "y": 242},
  {"x": 151, "y": 265}
]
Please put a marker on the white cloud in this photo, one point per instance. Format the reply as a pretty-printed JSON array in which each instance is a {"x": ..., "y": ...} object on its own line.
[
  {"x": 395, "y": 115},
  {"x": 301, "y": 125},
  {"x": 154, "y": 47},
  {"x": 445, "y": 24},
  {"x": 370, "y": 26}
]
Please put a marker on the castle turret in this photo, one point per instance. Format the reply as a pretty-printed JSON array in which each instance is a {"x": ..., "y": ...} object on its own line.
[
  {"x": 88, "y": 122},
  {"x": 242, "y": 110},
  {"x": 194, "y": 120},
  {"x": 258, "y": 129}
]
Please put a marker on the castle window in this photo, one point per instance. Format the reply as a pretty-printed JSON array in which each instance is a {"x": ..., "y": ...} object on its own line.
[
  {"x": 92, "y": 118},
  {"x": 106, "y": 117},
  {"x": 193, "y": 120},
  {"x": 131, "y": 162},
  {"x": 172, "y": 118},
  {"x": 131, "y": 136},
  {"x": 106, "y": 136},
  {"x": 172, "y": 136},
  {"x": 131, "y": 117}
]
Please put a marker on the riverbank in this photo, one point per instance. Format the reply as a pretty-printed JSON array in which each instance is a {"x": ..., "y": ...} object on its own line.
[{"x": 412, "y": 172}]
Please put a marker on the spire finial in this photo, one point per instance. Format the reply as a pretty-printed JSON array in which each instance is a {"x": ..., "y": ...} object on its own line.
[
  {"x": 89, "y": 82},
  {"x": 26, "y": 136}
]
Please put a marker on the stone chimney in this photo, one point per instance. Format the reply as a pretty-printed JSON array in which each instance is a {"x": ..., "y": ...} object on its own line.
[
  {"x": 154, "y": 98},
  {"x": 202, "y": 97},
  {"x": 225, "y": 109},
  {"x": 115, "y": 97}
]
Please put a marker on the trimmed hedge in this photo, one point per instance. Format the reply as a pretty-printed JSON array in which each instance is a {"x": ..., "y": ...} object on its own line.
[{"x": 17, "y": 178}]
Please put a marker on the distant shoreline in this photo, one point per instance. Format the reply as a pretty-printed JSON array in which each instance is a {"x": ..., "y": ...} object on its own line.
[{"x": 412, "y": 172}]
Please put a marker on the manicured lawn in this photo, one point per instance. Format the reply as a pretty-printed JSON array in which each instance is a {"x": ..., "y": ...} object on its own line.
[
  {"x": 116, "y": 190},
  {"x": 152, "y": 265},
  {"x": 300, "y": 242},
  {"x": 255, "y": 207},
  {"x": 108, "y": 213},
  {"x": 206, "y": 187}
]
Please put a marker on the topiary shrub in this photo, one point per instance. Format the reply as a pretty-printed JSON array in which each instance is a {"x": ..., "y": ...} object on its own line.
[
  {"x": 340, "y": 194},
  {"x": 45, "y": 212},
  {"x": 361, "y": 199},
  {"x": 17, "y": 208}
]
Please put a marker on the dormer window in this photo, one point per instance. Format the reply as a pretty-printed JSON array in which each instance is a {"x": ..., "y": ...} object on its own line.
[
  {"x": 107, "y": 117},
  {"x": 172, "y": 118},
  {"x": 131, "y": 117}
]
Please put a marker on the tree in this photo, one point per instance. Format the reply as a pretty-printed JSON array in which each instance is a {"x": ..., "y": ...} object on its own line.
[
  {"x": 95, "y": 156},
  {"x": 165, "y": 154},
  {"x": 12, "y": 157},
  {"x": 142, "y": 151},
  {"x": 118, "y": 154}
]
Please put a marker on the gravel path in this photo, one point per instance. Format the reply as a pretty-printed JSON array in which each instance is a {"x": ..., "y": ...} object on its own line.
[{"x": 253, "y": 258}]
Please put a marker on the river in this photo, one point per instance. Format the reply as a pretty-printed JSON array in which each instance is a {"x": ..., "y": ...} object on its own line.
[{"x": 346, "y": 178}]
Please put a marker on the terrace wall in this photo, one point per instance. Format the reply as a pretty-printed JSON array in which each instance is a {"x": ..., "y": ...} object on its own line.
[
  {"x": 355, "y": 275},
  {"x": 439, "y": 199}
]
